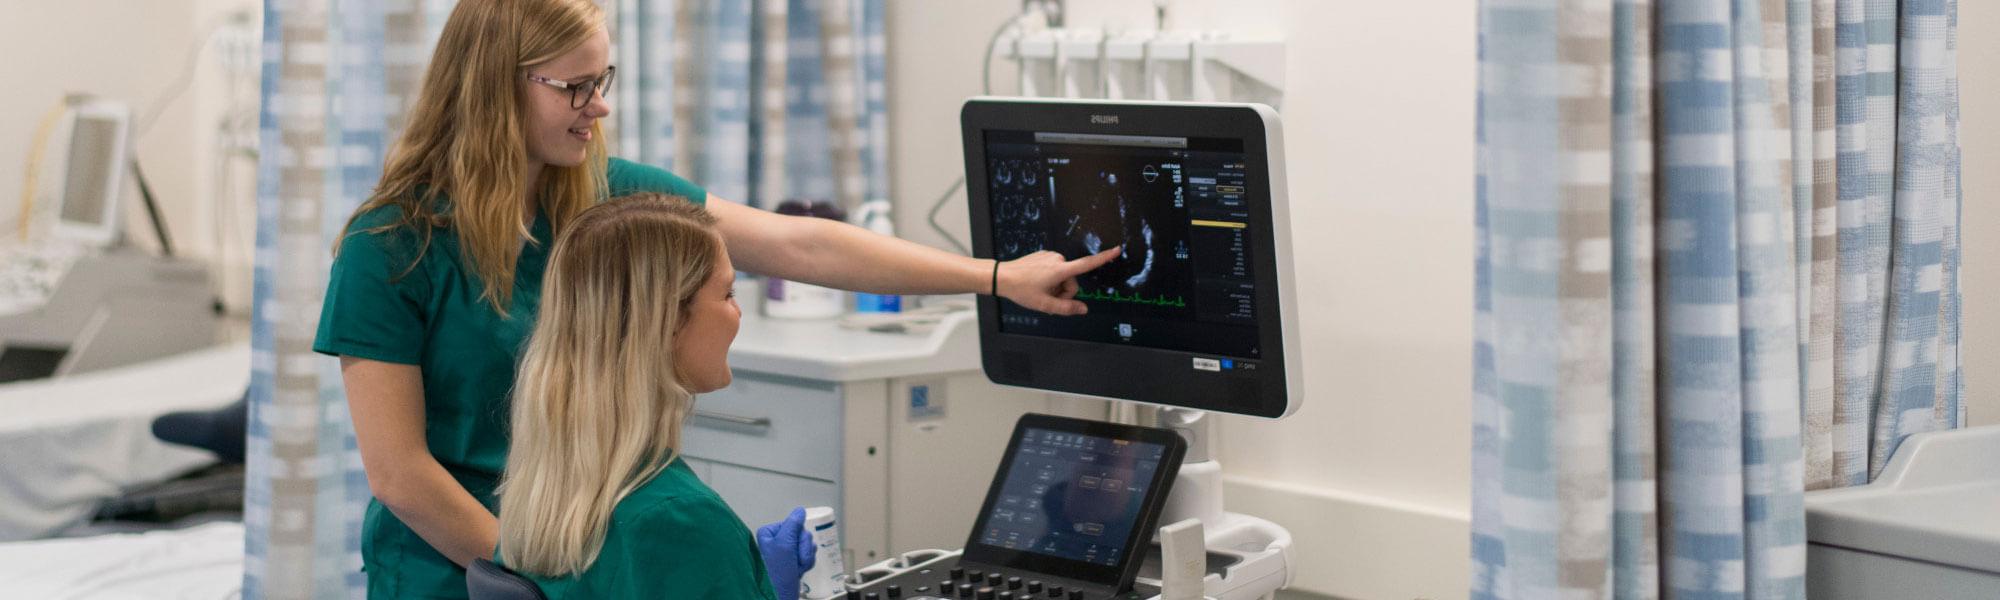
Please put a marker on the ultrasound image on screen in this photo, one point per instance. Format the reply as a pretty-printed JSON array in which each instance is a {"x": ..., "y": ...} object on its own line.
[
  {"x": 1176, "y": 212},
  {"x": 1072, "y": 496},
  {"x": 1087, "y": 202}
]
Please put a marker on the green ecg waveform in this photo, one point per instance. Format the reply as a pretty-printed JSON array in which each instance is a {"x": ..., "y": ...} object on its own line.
[{"x": 1114, "y": 296}]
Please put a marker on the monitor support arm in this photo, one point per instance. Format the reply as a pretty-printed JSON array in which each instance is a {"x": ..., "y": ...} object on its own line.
[
  {"x": 153, "y": 211},
  {"x": 1263, "y": 547},
  {"x": 1197, "y": 491}
]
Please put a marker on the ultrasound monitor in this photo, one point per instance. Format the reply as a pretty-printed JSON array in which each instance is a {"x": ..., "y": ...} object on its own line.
[
  {"x": 1196, "y": 311},
  {"x": 93, "y": 173}
]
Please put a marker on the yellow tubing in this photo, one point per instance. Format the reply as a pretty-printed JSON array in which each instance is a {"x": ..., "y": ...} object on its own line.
[{"x": 42, "y": 131}]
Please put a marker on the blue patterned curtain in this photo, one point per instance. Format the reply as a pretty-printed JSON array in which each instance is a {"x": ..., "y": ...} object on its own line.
[
  {"x": 1718, "y": 266},
  {"x": 337, "y": 77},
  {"x": 769, "y": 100}
]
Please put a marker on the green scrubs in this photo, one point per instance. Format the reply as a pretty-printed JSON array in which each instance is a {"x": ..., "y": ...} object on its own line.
[
  {"x": 672, "y": 538},
  {"x": 379, "y": 307}
]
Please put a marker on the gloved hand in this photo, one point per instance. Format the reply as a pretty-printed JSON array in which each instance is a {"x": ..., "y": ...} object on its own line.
[{"x": 788, "y": 552}]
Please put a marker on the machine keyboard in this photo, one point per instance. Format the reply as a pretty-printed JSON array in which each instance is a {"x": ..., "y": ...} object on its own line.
[{"x": 946, "y": 579}]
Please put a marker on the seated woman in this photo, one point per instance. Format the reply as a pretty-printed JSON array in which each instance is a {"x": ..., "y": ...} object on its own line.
[{"x": 637, "y": 317}]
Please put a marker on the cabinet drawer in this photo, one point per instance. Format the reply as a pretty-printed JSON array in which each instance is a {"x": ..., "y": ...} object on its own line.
[
  {"x": 788, "y": 426},
  {"x": 760, "y": 497}
]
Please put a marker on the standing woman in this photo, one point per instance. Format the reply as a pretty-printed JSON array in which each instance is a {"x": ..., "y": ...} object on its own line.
[{"x": 437, "y": 281}]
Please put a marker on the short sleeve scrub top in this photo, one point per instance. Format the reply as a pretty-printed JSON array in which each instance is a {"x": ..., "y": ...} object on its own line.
[{"x": 385, "y": 303}]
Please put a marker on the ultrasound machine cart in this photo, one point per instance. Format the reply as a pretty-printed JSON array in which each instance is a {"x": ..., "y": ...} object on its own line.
[{"x": 1196, "y": 315}]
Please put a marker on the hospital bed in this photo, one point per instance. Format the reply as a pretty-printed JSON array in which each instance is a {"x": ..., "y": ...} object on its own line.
[
  {"x": 204, "y": 562},
  {"x": 69, "y": 444}
]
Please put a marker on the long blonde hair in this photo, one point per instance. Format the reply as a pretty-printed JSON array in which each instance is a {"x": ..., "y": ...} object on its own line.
[
  {"x": 464, "y": 138},
  {"x": 598, "y": 406}
]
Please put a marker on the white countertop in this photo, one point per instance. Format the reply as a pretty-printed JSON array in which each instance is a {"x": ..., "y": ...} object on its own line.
[
  {"x": 821, "y": 349},
  {"x": 1935, "y": 501}
]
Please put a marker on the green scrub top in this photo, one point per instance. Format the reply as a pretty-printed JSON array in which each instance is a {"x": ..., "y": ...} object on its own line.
[
  {"x": 672, "y": 538},
  {"x": 379, "y": 307}
]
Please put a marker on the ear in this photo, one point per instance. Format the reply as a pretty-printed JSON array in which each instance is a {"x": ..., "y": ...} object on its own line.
[{"x": 682, "y": 323}]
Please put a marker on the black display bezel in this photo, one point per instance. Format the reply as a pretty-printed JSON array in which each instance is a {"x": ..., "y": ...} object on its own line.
[
  {"x": 1126, "y": 372},
  {"x": 1118, "y": 576}
]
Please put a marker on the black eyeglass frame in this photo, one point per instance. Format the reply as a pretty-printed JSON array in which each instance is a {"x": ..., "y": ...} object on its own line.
[{"x": 580, "y": 93}]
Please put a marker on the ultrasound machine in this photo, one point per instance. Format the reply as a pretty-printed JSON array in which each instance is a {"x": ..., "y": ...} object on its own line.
[{"x": 1196, "y": 315}]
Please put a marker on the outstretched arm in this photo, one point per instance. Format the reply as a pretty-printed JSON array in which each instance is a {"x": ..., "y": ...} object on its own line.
[{"x": 835, "y": 254}]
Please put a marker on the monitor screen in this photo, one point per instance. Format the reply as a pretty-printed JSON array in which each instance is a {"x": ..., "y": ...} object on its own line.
[
  {"x": 94, "y": 155},
  {"x": 1175, "y": 208},
  {"x": 1194, "y": 310},
  {"x": 1076, "y": 499},
  {"x": 1072, "y": 496}
]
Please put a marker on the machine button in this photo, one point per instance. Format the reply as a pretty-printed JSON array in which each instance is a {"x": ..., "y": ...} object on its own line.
[
  {"x": 965, "y": 590},
  {"x": 957, "y": 572},
  {"x": 894, "y": 591},
  {"x": 1075, "y": 594},
  {"x": 1013, "y": 583},
  {"x": 871, "y": 596},
  {"x": 974, "y": 576},
  {"x": 1005, "y": 595},
  {"x": 986, "y": 593},
  {"x": 1055, "y": 591},
  {"x": 1035, "y": 586}
]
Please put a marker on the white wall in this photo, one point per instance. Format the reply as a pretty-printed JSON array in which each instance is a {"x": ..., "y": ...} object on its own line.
[
  {"x": 1979, "y": 135},
  {"x": 1373, "y": 473},
  {"x": 131, "y": 52}
]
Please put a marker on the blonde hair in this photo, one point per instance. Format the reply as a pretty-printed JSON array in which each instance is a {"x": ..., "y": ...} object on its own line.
[
  {"x": 598, "y": 406},
  {"x": 464, "y": 138}
]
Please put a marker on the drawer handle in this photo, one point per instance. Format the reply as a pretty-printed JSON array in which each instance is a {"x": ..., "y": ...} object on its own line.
[{"x": 757, "y": 422}]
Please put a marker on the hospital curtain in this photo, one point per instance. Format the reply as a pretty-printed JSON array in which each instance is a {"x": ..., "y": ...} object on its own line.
[
  {"x": 1718, "y": 266},
  {"x": 337, "y": 78},
  {"x": 758, "y": 100}
]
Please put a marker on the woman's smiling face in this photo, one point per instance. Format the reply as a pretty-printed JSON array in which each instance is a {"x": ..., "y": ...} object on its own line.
[
  {"x": 558, "y": 134},
  {"x": 701, "y": 347}
]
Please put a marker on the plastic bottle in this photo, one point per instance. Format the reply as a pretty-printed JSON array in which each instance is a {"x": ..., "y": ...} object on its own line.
[
  {"x": 828, "y": 577},
  {"x": 873, "y": 215}
]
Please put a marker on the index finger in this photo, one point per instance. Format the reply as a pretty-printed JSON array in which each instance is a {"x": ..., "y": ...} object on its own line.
[{"x": 1092, "y": 262}]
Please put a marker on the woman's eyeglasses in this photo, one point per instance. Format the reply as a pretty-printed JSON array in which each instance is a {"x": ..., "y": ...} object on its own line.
[{"x": 580, "y": 93}]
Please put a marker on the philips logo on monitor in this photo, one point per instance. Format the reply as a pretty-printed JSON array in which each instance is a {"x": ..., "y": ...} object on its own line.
[{"x": 1104, "y": 119}]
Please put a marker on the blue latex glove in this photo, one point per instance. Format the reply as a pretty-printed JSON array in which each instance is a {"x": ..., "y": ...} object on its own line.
[{"x": 788, "y": 552}]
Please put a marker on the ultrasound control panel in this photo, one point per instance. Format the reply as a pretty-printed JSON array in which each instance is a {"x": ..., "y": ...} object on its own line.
[
  {"x": 950, "y": 578},
  {"x": 1071, "y": 496},
  {"x": 1069, "y": 515}
]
